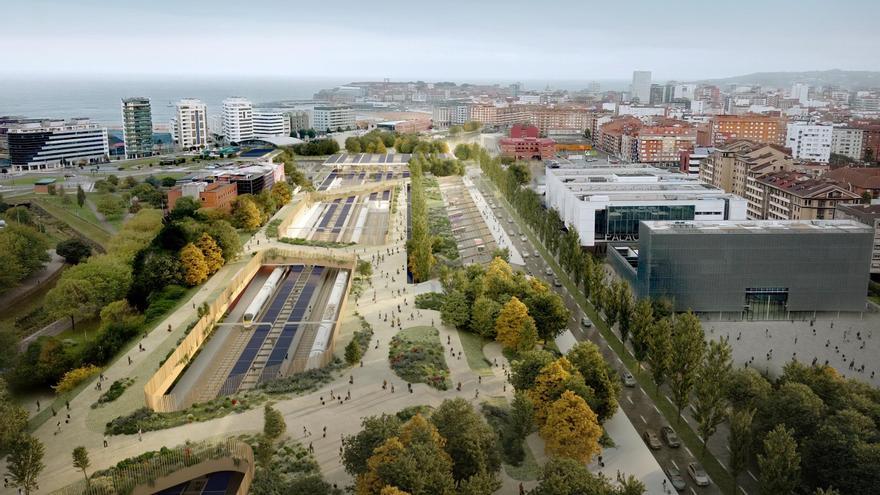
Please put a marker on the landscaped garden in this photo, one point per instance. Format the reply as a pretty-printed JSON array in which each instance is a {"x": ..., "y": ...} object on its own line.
[{"x": 416, "y": 355}]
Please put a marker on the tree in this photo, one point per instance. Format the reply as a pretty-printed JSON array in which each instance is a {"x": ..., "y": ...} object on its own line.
[
  {"x": 688, "y": 349},
  {"x": 273, "y": 423},
  {"x": 70, "y": 298},
  {"x": 73, "y": 250},
  {"x": 710, "y": 391},
  {"x": 514, "y": 328},
  {"x": 25, "y": 462},
  {"x": 364, "y": 268},
  {"x": 185, "y": 207},
  {"x": 281, "y": 193},
  {"x": 598, "y": 375},
  {"x": 227, "y": 238},
  {"x": 22, "y": 253},
  {"x": 564, "y": 476},
  {"x": 624, "y": 307},
  {"x": 483, "y": 315},
  {"x": 13, "y": 419},
  {"x": 572, "y": 429},
  {"x": 739, "y": 442},
  {"x": 245, "y": 213},
  {"x": 549, "y": 312},
  {"x": 553, "y": 380},
  {"x": 526, "y": 368},
  {"x": 470, "y": 441},
  {"x": 353, "y": 352},
  {"x": 793, "y": 404},
  {"x": 660, "y": 351},
  {"x": 352, "y": 144},
  {"x": 357, "y": 449},
  {"x": 81, "y": 462},
  {"x": 110, "y": 206},
  {"x": 192, "y": 261},
  {"x": 642, "y": 319},
  {"x": 20, "y": 215},
  {"x": 455, "y": 310},
  {"x": 80, "y": 196},
  {"x": 747, "y": 389},
  {"x": 780, "y": 463},
  {"x": 211, "y": 251}
]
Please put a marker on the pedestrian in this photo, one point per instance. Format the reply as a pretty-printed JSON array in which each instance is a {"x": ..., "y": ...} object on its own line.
[
  {"x": 129, "y": 360},
  {"x": 522, "y": 490},
  {"x": 479, "y": 379},
  {"x": 140, "y": 435},
  {"x": 325, "y": 433},
  {"x": 67, "y": 403},
  {"x": 106, "y": 443}
]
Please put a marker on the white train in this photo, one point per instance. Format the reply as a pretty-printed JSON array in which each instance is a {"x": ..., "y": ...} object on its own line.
[
  {"x": 322, "y": 338},
  {"x": 262, "y": 297}
]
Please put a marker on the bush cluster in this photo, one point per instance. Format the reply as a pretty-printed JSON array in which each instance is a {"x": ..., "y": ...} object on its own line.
[{"x": 419, "y": 360}]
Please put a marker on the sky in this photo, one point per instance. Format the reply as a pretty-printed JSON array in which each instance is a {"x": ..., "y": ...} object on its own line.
[{"x": 453, "y": 40}]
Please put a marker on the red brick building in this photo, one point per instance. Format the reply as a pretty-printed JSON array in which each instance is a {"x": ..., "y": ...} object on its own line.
[
  {"x": 664, "y": 144},
  {"x": 528, "y": 148},
  {"x": 219, "y": 196},
  {"x": 524, "y": 131}
]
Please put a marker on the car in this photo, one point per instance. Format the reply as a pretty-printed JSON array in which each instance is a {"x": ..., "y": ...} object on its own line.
[
  {"x": 651, "y": 440},
  {"x": 628, "y": 379},
  {"x": 586, "y": 322},
  {"x": 522, "y": 238},
  {"x": 670, "y": 437},
  {"x": 698, "y": 474},
  {"x": 525, "y": 254},
  {"x": 536, "y": 254},
  {"x": 509, "y": 220},
  {"x": 548, "y": 271},
  {"x": 675, "y": 477},
  {"x": 557, "y": 283}
]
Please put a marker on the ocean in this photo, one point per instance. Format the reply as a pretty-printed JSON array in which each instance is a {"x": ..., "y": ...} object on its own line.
[{"x": 99, "y": 99}]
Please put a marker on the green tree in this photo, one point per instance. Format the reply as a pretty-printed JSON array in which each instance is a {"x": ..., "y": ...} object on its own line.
[
  {"x": 564, "y": 476},
  {"x": 642, "y": 320},
  {"x": 526, "y": 368},
  {"x": 81, "y": 462},
  {"x": 71, "y": 298},
  {"x": 739, "y": 442},
  {"x": 470, "y": 441},
  {"x": 483, "y": 315},
  {"x": 185, "y": 207},
  {"x": 364, "y": 268},
  {"x": 227, "y": 238},
  {"x": 793, "y": 404},
  {"x": 747, "y": 389},
  {"x": 624, "y": 307},
  {"x": 660, "y": 351},
  {"x": 13, "y": 418},
  {"x": 710, "y": 391},
  {"x": 780, "y": 463},
  {"x": 273, "y": 423},
  {"x": 598, "y": 375},
  {"x": 22, "y": 253},
  {"x": 455, "y": 310},
  {"x": 688, "y": 349},
  {"x": 25, "y": 462},
  {"x": 110, "y": 206},
  {"x": 357, "y": 449},
  {"x": 549, "y": 312},
  {"x": 80, "y": 196},
  {"x": 353, "y": 352},
  {"x": 73, "y": 250}
]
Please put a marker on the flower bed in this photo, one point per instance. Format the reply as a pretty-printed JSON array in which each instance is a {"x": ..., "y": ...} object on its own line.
[{"x": 416, "y": 355}]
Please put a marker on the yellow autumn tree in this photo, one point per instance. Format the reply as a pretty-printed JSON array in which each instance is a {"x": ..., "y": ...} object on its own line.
[
  {"x": 572, "y": 429},
  {"x": 195, "y": 268},
  {"x": 392, "y": 490},
  {"x": 498, "y": 279},
  {"x": 246, "y": 214},
  {"x": 370, "y": 482},
  {"x": 549, "y": 385},
  {"x": 211, "y": 251},
  {"x": 514, "y": 328},
  {"x": 281, "y": 193}
]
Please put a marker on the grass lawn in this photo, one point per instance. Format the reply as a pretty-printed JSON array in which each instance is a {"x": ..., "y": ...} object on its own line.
[
  {"x": 528, "y": 470},
  {"x": 473, "y": 352},
  {"x": 30, "y": 179},
  {"x": 83, "y": 332},
  {"x": 416, "y": 355},
  {"x": 81, "y": 220}
]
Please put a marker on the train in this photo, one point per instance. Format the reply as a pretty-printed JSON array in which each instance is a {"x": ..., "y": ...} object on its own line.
[
  {"x": 322, "y": 337},
  {"x": 262, "y": 297}
]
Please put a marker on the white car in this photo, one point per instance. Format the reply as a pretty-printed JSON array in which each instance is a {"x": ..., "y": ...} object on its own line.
[
  {"x": 586, "y": 322},
  {"x": 525, "y": 254},
  {"x": 522, "y": 238}
]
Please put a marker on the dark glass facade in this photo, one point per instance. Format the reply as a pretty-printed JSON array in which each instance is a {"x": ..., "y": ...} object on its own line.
[{"x": 622, "y": 222}]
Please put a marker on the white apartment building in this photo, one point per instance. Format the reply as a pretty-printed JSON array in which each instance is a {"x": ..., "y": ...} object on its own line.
[
  {"x": 640, "y": 111},
  {"x": 685, "y": 91},
  {"x": 801, "y": 93},
  {"x": 270, "y": 123},
  {"x": 189, "y": 126},
  {"x": 52, "y": 144},
  {"x": 330, "y": 118},
  {"x": 607, "y": 203},
  {"x": 641, "y": 86},
  {"x": 810, "y": 142},
  {"x": 238, "y": 119},
  {"x": 848, "y": 142}
]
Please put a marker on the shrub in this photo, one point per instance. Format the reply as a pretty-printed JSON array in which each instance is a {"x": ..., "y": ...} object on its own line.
[
  {"x": 74, "y": 377},
  {"x": 272, "y": 228},
  {"x": 430, "y": 300},
  {"x": 114, "y": 391},
  {"x": 419, "y": 360},
  {"x": 309, "y": 242}
]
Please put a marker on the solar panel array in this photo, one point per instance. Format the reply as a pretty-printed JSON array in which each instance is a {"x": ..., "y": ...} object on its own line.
[
  {"x": 282, "y": 345},
  {"x": 343, "y": 215},
  {"x": 329, "y": 180},
  {"x": 326, "y": 218},
  {"x": 246, "y": 359}
]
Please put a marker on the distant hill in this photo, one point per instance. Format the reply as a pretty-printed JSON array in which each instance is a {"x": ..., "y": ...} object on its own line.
[{"x": 849, "y": 79}]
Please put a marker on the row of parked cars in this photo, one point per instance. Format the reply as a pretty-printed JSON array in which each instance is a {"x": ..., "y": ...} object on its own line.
[{"x": 670, "y": 438}]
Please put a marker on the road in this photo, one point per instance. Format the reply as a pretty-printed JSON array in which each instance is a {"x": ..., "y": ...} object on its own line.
[{"x": 634, "y": 402}]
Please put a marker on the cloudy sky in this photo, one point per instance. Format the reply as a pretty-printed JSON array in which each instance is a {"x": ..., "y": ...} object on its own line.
[{"x": 437, "y": 40}]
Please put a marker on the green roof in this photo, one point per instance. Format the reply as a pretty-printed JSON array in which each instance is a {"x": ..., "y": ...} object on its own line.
[{"x": 44, "y": 182}]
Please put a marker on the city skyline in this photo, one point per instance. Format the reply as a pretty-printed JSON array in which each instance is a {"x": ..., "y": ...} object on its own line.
[{"x": 461, "y": 41}]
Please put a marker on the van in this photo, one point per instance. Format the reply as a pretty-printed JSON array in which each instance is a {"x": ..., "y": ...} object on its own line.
[{"x": 585, "y": 322}]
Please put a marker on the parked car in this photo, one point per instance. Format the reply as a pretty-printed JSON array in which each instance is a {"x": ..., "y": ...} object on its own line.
[
  {"x": 525, "y": 254},
  {"x": 586, "y": 322},
  {"x": 557, "y": 283},
  {"x": 628, "y": 379},
  {"x": 675, "y": 477},
  {"x": 536, "y": 254},
  {"x": 522, "y": 238},
  {"x": 698, "y": 474},
  {"x": 670, "y": 437},
  {"x": 651, "y": 440},
  {"x": 510, "y": 220}
]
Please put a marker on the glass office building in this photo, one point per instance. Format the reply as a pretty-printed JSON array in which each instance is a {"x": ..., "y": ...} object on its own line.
[{"x": 760, "y": 270}]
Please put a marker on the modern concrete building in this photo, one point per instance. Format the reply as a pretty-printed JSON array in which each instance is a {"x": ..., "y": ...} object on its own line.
[
  {"x": 870, "y": 216},
  {"x": 189, "y": 126},
  {"x": 238, "y": 119},
  {"x": 640, "y": 89},
  {"x": 298, "y": 119},
  {"x": 331, "y": 118},
  {"x": 751, "y": 270},
  {"x": 137, "y": 127},
  {"x": 606, "y": 203},
  {"x": 848, "y": 141},
  {"x": 270, "y": 123},
  {"x": 51, "y": 144},
  {"x": 810, "y": 142}
]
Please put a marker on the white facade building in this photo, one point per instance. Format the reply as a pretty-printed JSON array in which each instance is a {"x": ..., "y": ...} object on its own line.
[
  {"x": 270, "y": 123},
  {"x": 189, "y": 126},
  {"x": 333, "y": 118},
  {"x": 641, "y": 86},
  {"x": 606, "y": 203},
  {"x": 238, "y": 119},
  {"x": 848, "y": 142},
  {"x": 51, "y": 144},
  {"x": 809, "y": 141},
  {"x": 801, "y": 93},
  {"x": 685, "y": 91},
  {"x": 640, "y": 111}
]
